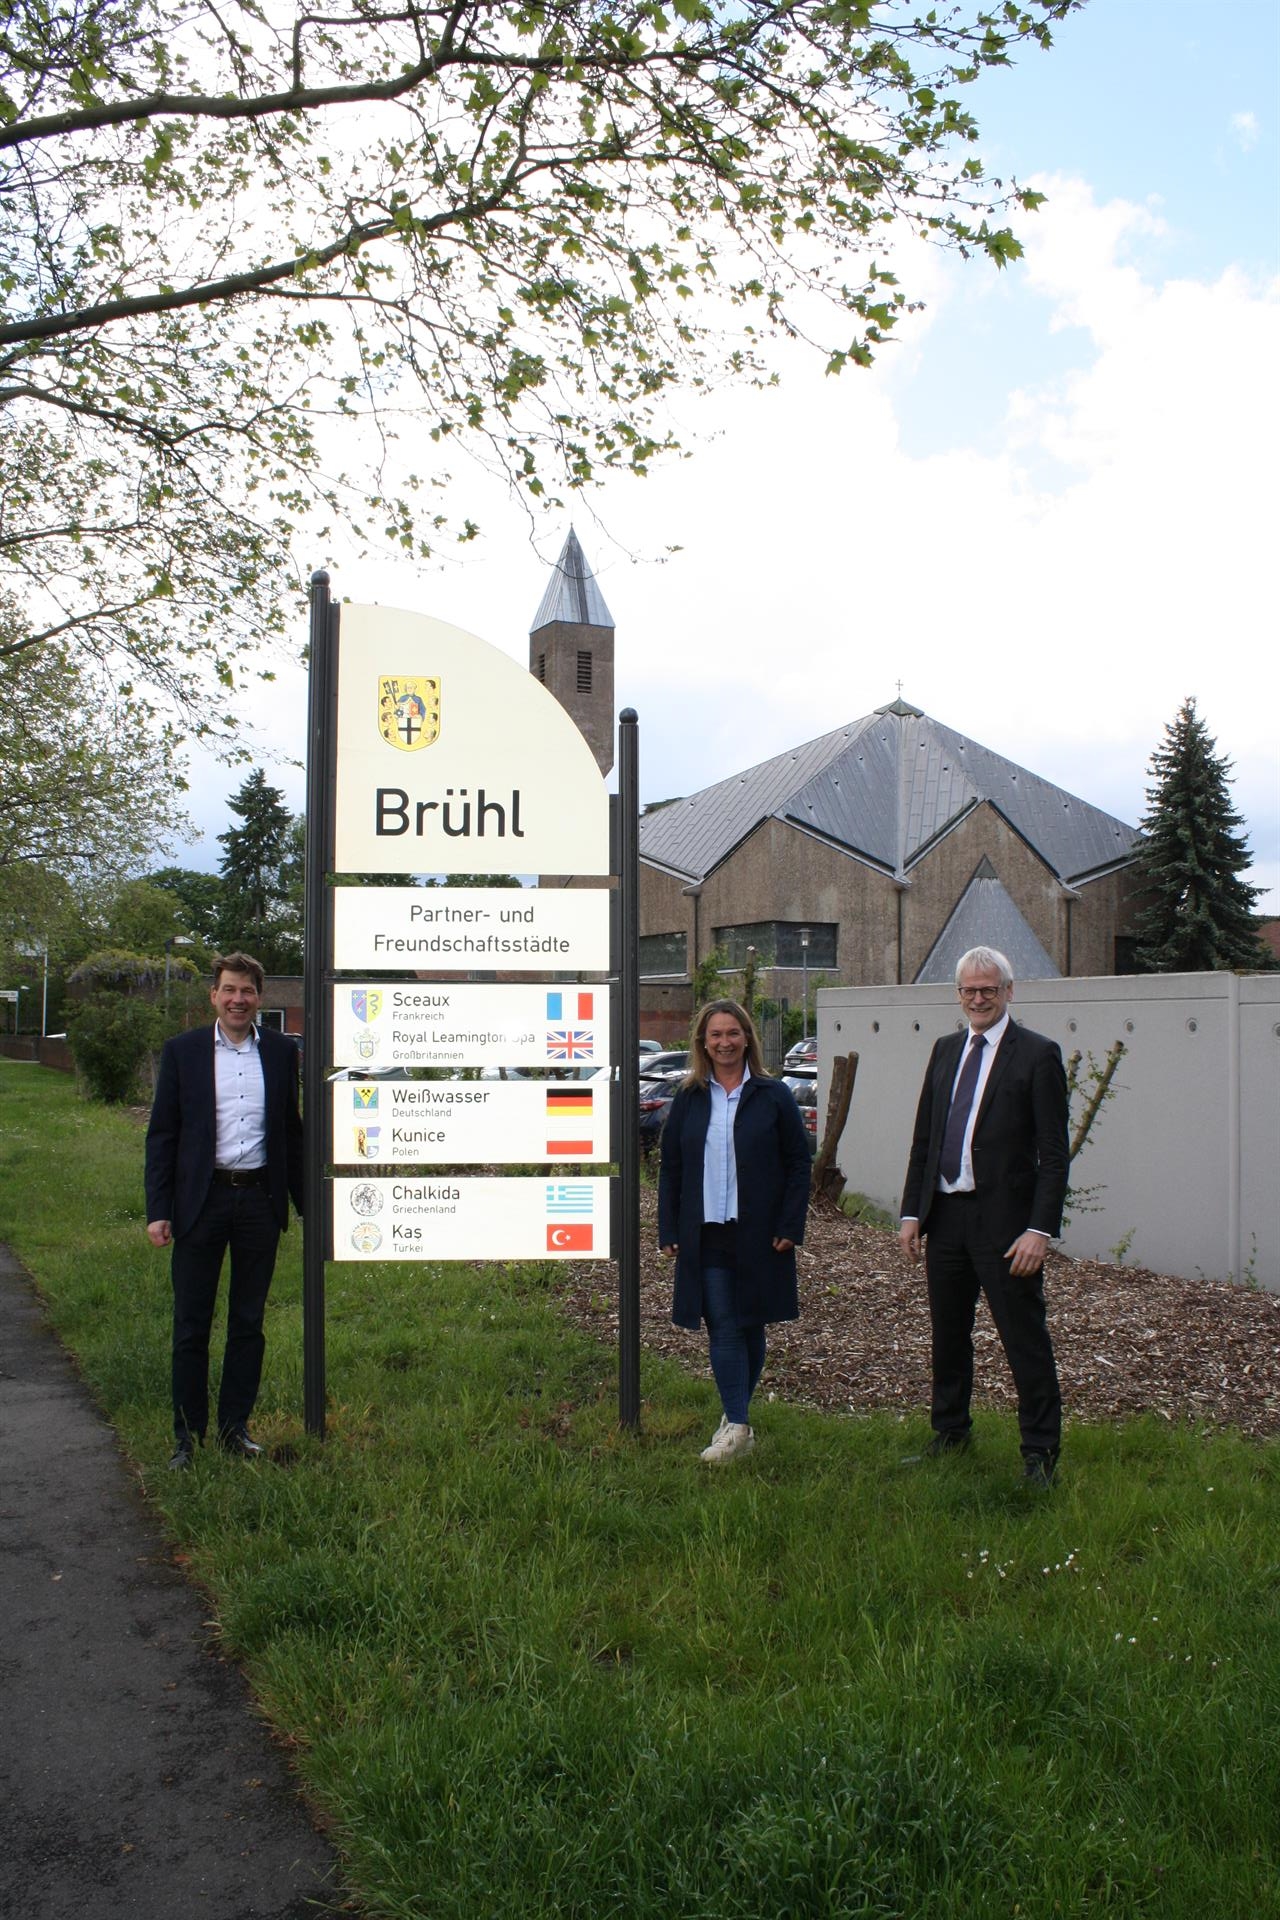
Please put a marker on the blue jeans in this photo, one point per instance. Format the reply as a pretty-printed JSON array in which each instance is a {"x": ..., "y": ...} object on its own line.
[{"x": 737, "y": 1353}]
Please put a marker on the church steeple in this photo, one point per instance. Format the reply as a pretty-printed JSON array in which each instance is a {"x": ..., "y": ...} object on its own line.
[{"x": 571, "y": 649}]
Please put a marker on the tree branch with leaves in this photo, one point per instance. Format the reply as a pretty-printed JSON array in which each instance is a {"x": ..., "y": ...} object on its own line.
[{"x": 225, "y": 227}]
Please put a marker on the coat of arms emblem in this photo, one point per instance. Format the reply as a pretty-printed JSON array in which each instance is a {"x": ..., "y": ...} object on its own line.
[{"x": 408, "y": 710}]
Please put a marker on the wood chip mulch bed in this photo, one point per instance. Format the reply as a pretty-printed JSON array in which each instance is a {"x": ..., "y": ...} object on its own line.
[{"x": 1127, "y": 1341}]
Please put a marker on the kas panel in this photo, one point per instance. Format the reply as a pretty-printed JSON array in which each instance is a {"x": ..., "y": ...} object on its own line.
[
  {"x": 481, "y": 1218},
  {"x": 452, "y": 758}
]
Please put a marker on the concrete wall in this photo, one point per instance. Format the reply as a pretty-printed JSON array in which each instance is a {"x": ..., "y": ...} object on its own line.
[
  {"x": 44, "y": 1052},
  {"x": 1187, "y": 1153}
]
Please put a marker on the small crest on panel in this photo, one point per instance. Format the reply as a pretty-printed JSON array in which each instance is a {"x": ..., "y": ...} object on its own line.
[{"x": 408, "y": 710}]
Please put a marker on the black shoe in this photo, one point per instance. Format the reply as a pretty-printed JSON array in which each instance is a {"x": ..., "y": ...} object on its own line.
[
  {"x": 184, "y": 1452},
  {"x": 236, "y": 1440},
  {"x": 1038, "y": 1470},
  {"x": 941, "y": 1443}
]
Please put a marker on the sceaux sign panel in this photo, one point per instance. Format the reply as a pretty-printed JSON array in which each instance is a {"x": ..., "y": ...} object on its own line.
[{"x": 452, "y": 758}]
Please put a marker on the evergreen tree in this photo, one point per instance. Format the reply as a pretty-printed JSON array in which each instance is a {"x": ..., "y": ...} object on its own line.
[
  {"x": 259, "y": 852},
  {"x": 1200, "y": 912},
  {"x": 201, "y": 898}
]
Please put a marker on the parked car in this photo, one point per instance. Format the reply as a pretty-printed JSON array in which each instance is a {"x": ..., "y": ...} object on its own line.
[
  {"x": 675, "y": 1062},
  {"x": 650, "y": 1046},
  {"x": 657, "y": 1091},
  {"x": 805, "y": 1088},
  {"x": 546, "y": 1073},
  {"x": 803, "y": 1054},
  {"x": 370, "y": 1073}
]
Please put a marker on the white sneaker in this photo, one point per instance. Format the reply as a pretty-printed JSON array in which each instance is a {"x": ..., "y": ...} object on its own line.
[{"x": 727, "y": 1443}]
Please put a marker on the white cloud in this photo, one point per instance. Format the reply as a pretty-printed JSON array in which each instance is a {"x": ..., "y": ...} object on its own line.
[
  {"x": 1056, "y": 593},
  {"x": 1244, "y": 127}
]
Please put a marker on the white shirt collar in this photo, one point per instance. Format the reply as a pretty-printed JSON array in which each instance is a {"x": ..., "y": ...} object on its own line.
[
  {"x": 220, "y": 1039},
  {"x": 994, "y": 1035},
  {"x": 729, "y": 1092}
]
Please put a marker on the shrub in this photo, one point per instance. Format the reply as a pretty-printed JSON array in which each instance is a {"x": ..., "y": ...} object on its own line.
[{"x": 111, "y": 1036}]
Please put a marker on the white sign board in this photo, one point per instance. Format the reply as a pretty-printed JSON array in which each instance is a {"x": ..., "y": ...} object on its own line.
[
  {"x": 452, "y": 758},
  {"x": 421, "y": 1218},
  {"x": 458, "y": 929},
  {"x": 470, "y": 1122},
  {"x": 428, "y": 1023}
]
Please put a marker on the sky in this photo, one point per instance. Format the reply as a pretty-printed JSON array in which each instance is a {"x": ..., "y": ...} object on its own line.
[{"x": 1047, "y": 515}]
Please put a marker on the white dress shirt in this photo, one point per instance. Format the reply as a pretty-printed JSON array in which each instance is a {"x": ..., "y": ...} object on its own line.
[
  {"x": 964, "y": 1181},
  {"x": 719, "y": 1167},
  {"x": 240, "y": 1097}
]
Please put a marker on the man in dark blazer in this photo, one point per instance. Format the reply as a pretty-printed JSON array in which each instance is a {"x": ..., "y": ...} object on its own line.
[
  {"x": 985, "y": 1185},
  {"x": 224, "y": 1154}
]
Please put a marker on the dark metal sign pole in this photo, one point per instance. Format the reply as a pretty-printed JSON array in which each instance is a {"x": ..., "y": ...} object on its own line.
[
  {"x": 628, "y": 966},
  {"x": 317, "y": 1039}
]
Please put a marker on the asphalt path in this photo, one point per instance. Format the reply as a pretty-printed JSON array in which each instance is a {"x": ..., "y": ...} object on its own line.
[{"x": 136, "y": 1781}]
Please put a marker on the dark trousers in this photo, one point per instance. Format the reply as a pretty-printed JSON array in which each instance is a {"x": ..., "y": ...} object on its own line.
[
  {"x": 960, "y": 1265},
  {"x": 240, "y": 1219}
]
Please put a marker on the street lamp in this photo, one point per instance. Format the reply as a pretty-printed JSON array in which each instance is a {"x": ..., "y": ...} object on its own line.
[
  {"x": 174, "y": 940},
  {"x": 804, "y": 975}
]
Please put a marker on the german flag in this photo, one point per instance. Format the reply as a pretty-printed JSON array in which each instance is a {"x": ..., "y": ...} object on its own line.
[{"x": 567, "y": 1108}]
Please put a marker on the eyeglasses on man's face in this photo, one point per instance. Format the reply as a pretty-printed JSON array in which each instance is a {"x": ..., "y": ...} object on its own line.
[{"x": 980, "y": 993}]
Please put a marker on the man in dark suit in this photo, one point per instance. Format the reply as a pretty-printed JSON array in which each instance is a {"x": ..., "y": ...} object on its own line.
[
  {"x": 224, "y": 1154},
  {"x": 985, "y": 1185}
]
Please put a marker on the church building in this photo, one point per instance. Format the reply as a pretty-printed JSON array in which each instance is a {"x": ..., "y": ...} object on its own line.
[{"x": 877, "y": 853}]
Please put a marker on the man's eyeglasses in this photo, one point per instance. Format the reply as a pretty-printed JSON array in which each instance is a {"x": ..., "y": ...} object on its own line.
[{"x": 980, "y": 993}]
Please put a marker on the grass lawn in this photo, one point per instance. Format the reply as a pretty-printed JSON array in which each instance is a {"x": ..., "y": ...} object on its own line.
[{"x": 530, "y": 1667}]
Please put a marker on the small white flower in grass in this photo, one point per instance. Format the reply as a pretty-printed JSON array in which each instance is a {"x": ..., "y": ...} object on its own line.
[{"x": 1133, "y": 1639}]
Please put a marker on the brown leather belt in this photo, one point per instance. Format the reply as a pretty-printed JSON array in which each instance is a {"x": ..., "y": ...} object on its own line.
[{"x": 240, "y": 1176}]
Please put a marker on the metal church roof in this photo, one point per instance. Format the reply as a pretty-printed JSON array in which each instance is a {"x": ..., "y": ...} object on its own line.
[
  {"x": 985, "y": 915},
  {"x": 572, "y": 595},
  {"x": 693, "y": 835},
  {"x": 885, "y": 788}
]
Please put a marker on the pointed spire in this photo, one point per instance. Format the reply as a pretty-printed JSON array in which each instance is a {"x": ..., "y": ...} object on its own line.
[{"x": 572, "y": 595}]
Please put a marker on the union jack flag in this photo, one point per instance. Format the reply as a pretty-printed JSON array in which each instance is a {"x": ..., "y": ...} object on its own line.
[{"x": 570, "y": 1043}]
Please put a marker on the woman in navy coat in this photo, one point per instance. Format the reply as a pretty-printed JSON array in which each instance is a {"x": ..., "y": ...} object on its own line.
[{"x": 732, "y": 1196}]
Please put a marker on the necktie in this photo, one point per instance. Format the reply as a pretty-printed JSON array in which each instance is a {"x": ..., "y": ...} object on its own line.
[{"x": 961, "y": 1104}]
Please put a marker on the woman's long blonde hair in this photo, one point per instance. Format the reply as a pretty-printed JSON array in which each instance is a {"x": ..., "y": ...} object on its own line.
[{"x": 700, "y": 1068}]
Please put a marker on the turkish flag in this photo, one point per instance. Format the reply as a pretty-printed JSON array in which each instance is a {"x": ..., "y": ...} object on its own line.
[{"x": 570, "y": 1239}]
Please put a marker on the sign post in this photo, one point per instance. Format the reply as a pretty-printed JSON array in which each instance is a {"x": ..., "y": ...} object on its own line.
[
  {"x": 431, "y": 752},
  {"x": 628, "y": 965},
  {"x": 317, "y": 1046}
]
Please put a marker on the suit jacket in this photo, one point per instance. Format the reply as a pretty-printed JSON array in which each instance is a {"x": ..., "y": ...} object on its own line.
[
  {"x": 1021, "y": 1156},
  {"x": 771, "y": 1151},
  {"x": 182, "y": 1135}
]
